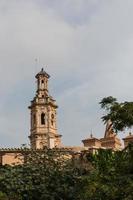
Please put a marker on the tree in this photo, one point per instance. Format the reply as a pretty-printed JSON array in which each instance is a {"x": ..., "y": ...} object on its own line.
[
  {"x": 46, "y": 174},
  {"x": 53, "y": 175},
  {"x": 121, "y": 114},
  {"x": 111, "y": 177}
]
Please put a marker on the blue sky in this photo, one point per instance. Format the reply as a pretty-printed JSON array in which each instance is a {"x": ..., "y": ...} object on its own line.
[{"x": 87, "y": 46}]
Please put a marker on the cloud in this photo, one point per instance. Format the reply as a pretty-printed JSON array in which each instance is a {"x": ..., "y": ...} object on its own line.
[
  {"x": 87, "y": 46},
  {"x": 76, "y": 12}
]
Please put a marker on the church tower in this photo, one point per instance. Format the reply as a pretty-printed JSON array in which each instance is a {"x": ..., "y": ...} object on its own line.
[{"x": 43, "y": 108}]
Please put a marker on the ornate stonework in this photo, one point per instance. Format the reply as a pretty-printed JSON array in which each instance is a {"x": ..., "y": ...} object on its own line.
[
  {"x": 110, "y": 140},
  {"x": 43, "y": 116},
  {"x": 91, "y": 142},
  {"x": 109, "y": 132},
  {"x": 111, "y": 143}
]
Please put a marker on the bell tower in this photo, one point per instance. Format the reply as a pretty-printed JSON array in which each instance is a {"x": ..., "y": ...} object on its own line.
[{"x": 43, "y": 108}]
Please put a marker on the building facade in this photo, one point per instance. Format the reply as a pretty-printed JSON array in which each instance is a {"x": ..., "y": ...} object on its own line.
[{"x": 109, "y": 141}]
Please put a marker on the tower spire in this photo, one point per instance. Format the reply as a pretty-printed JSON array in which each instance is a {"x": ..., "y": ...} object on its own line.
[{"x": 43, "y": 116}]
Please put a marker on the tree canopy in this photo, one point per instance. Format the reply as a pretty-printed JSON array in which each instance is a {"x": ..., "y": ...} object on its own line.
[
  {"x": 120, "y": 113},
  {"x": 47, "y": 175}
]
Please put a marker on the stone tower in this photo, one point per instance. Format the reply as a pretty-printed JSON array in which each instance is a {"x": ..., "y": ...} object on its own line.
[{"x": 43, "y": 131}]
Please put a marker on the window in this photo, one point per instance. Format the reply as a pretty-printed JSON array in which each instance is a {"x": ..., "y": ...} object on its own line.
[
  {"x": 52, "y": 116},
  {"x": 52, "y": 119},
  {"x": 41, "y": 145},
  {"x": 42, "y": 81},
  {"x": 43, "y": 119}
]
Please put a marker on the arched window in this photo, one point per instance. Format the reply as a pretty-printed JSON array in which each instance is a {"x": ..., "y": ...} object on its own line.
[
  {"x": 41, "y": 145},
  {"x": 42, "y": 84},
  {"x": 43, "y": 119},
  {"x": 52, "y": 119}
]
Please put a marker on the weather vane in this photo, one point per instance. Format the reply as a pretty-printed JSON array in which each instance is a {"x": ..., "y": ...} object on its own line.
[{"x": 36, "y": 65}]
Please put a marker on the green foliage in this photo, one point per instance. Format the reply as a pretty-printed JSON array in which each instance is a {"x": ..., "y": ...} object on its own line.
[
  {"x": 3, "y": 196},
  {"x": 52, "y": 175},
  {"x": 112, "y": 177},
  {"x": 44, "y": 175},
  {"x": 121, "y": 114},
  {"x": 107, "y": 102}
]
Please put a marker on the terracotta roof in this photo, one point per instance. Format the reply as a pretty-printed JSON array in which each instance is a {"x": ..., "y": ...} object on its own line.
[{"x": 42, "y": 73}]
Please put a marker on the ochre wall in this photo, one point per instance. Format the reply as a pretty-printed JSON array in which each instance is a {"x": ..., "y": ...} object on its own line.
[{"x": 10, "y": 158}]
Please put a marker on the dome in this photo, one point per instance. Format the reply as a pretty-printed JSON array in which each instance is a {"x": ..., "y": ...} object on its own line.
[{"x": 42, "y": 73}]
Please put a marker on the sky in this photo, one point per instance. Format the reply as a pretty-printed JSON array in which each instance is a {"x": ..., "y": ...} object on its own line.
[{"x": 87, "y": 48}]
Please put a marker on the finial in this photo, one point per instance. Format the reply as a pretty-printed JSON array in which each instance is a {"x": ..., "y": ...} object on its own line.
[
  {"x": 91, "y": 135},
  {"x": 42, "y": 69}
]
